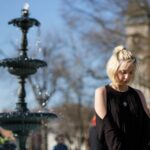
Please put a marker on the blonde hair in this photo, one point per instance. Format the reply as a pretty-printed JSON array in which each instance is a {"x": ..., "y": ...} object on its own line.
[{"x": 120, "y": 54}]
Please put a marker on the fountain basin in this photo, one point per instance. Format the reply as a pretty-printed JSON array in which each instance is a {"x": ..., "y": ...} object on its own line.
[
  {"x": 21, "y": 66},
  {"x": 24, "y": 121}
]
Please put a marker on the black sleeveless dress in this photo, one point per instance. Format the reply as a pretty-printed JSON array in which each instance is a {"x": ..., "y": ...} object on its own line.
[{"x": 125, "y": 126}]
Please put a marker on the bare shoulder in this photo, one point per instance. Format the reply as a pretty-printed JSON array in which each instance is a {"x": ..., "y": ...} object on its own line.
[
  {"x": 100, "y": 101},
  {"x": 100, "y": 94},
  {"x": 100, "y": 90}
]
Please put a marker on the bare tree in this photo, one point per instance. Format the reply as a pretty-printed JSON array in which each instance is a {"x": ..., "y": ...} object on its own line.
[
  {"x": 101, "y": 24},
  {"x": 97, "y": 30},
  {"x": 70, "y": 120}
]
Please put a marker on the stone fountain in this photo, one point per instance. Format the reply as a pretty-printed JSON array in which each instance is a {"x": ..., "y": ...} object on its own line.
[{"x": 21, "y": 121}]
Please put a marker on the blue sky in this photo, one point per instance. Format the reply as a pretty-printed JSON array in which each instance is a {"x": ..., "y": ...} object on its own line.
[{"x": 45, "y": 11}]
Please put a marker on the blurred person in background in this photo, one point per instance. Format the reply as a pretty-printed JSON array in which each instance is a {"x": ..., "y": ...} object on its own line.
[{"x": 60, "y": 143}]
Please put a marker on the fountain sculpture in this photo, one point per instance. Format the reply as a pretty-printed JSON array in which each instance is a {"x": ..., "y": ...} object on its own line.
[{"x": 22, "y": 121}]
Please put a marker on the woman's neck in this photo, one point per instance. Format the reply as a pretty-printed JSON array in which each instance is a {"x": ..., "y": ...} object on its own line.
[{"x": 119, "y": 87}]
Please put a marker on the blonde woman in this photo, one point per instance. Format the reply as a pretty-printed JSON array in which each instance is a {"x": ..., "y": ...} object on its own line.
[{"x": 121, "y": 111}]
